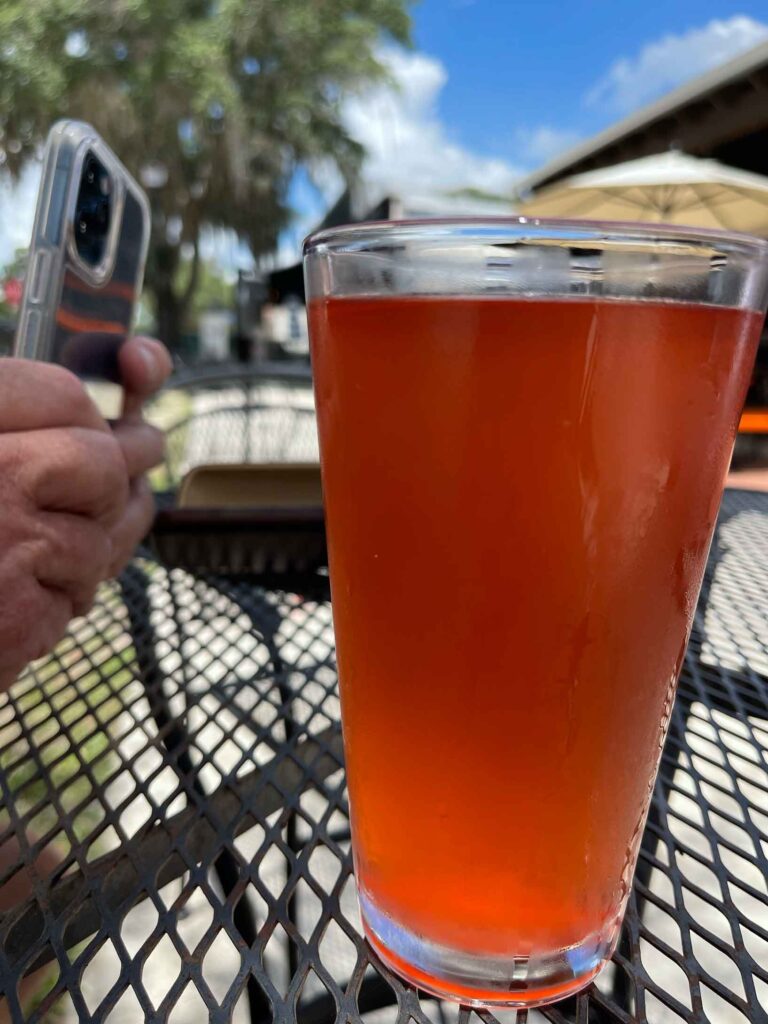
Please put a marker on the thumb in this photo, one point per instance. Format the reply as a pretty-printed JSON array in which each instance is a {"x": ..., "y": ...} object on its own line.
[{"x": 144, "y": 367}]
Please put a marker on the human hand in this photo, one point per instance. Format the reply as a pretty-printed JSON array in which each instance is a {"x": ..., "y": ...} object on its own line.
[
  {"x": 73, "y": 499},
  {"x": 144, "y": 366}
]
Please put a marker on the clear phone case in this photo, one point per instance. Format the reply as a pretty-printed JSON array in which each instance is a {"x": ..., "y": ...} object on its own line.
[{"x": 83, "y": 279}]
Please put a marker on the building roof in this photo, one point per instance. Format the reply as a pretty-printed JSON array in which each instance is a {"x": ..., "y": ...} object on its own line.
[
  {"x": 721, "y": 114},
  {"x": 367, "y": 203}
]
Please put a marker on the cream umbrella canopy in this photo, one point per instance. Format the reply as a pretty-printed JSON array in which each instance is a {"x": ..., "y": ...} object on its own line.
[{"x": 672, "y": 188}]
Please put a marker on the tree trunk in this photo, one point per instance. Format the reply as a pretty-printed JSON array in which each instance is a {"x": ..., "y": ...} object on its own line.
[
  {"x": 172, "y": 303},
  {"x": 161, "y": 280},
  {"x": 169, "y": 315}
]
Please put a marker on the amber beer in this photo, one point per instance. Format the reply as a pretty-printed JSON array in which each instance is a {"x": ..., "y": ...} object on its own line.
[{"x": 520, "y": 496}]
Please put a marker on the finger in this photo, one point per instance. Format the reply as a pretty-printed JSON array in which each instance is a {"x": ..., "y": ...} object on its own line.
[
  {"x": 76, "y": 470},
  {"x": 39, "y": 396},
  {"x": 72, "y": 554},
  {"x": 83, "y": 602},
  {"x": 142, "y": 446},
  {"x": 144, "y": 366},
  {"x": 59, "y": 612},
  {"x": 35, "y": 622},
  {"x": 134, "y": 526}
]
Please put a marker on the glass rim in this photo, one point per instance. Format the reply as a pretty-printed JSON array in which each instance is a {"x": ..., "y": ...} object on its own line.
[{"x": 359, "y": 237}]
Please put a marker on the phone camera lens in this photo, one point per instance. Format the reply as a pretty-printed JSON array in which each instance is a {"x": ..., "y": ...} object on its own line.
[{"x": 93, "y": 211}]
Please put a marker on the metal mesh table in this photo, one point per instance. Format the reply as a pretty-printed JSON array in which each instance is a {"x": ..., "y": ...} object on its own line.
[{"x": 174, "y": 838}]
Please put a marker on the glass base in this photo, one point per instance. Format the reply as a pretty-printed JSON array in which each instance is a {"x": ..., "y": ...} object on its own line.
[{"x": 477, "y": 980}]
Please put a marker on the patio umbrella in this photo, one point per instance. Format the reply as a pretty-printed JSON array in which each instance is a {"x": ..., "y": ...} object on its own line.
[{"x": 672, "y": 188}]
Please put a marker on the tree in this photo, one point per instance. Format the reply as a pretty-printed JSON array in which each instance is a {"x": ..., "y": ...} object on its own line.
[{"x": 212, "y": 104}]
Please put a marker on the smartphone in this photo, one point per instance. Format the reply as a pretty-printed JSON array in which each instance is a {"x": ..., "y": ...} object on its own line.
[{"x": 86, "y": 258}]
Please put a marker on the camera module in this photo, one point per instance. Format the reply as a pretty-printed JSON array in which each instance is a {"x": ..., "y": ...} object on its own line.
[{"x": 93, "y": 210}]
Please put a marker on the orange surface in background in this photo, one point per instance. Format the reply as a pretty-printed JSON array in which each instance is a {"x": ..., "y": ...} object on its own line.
[
  {"x": 754, "y": 421},
  {"x": 512, "y": 593}
]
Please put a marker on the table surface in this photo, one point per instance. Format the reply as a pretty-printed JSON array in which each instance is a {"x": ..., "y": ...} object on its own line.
[{"x": 174, "y": 809}]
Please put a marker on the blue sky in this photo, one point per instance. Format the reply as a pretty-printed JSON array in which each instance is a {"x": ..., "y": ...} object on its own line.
[
  {"x": 491, "y": 90},
  {"x": 516, "y": 66},
  {"x": 495, "y": 88}
]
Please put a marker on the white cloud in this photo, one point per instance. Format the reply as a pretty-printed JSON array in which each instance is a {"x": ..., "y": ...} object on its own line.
[
  {"x": 537, "y": 145},
  {"x": 667, "y": 62},
  {"x": 408, "y": 147}
]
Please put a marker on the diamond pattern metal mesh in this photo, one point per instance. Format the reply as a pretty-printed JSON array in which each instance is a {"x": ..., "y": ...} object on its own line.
[{"x": 174, "y": 839}]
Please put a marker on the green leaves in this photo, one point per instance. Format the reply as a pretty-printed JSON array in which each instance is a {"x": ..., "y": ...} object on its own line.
[{"x": 228, "y": 96}]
